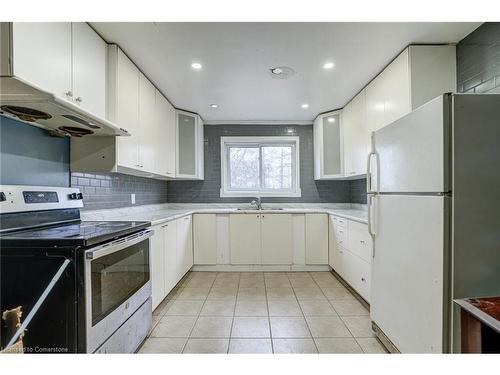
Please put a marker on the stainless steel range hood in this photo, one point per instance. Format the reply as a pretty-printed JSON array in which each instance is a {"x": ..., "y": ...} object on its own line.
[{"x": 25, "y": 102}]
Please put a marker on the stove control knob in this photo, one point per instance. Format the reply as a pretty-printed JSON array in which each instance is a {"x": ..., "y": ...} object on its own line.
[
  {"x": 72, "y": 196},
  {"x": 79, "y": 196},
  {"x": 3, "y": 198}
]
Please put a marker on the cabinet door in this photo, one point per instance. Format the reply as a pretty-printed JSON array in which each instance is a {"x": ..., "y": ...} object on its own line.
[
  {"x": 360, "y": 141},
  {"x": 171, "y": 268},
  {"x": 316, "y": 239},
  {"x": 360, "y": 241},
  {"x": 244, "y": 238},
  {"x": 186, "y": 145},
  {"x": 332, "y": 145},
  {"x": 124, "y": 105},
  {"x": 205, "y": 238},
  {"x": 277, "y": 244},
  {"x": 157, "y": 265},
  {"x": 184, "y": 245},
  {"x": 42, "y": 55},
  {"x": 375, "y": 104},
  {"x": 349, "y": 134},
  {"x": 148, "y": 152},
  {"x": 165, "y": 138},
  {"x": 396, "y": 88},
  {"x": 89, "y": 69}
]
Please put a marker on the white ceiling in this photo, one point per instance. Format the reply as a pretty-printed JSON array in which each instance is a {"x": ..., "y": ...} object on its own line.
[{"x": 236, "y": 59}]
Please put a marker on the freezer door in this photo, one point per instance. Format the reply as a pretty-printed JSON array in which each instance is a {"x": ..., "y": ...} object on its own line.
[
  {"x": 408, "y": 271},
  {"x": 412, "y": 152}
]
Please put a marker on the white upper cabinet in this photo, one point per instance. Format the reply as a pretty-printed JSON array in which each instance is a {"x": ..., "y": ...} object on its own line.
[
  {"x": 123, "y": 105},
  {"x": 189, "y": 146},
  {"x": 165, "y": 136},
  {"x": 163, "y": 143},
  {"x": 63, "y": 58},
  {"x": 356, "y": 136},
  {"x": 328, "y": 154},
  {"x": 149, "y": 153},
  {"x": 417, "y": 75},
  {"x": 89, "y": 69},
  {"x": 50, "y": 44}
]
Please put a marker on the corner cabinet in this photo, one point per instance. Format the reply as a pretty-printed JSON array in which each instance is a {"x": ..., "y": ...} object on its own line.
[
  {"x": 189, "y": 146},
  {"x": 328, "y": 146},
  {"x": 418, "y": 74},
  {"x": 164, "y": 143}
]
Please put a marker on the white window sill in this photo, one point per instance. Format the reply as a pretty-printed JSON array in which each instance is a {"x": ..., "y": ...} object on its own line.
[{"x": 254, "y": 194}]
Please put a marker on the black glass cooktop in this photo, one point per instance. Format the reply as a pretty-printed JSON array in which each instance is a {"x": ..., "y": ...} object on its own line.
[{"x": 83, "y": 233}]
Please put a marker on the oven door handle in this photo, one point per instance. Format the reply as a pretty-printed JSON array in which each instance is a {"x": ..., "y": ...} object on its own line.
[{"x": 117, "y": 245}]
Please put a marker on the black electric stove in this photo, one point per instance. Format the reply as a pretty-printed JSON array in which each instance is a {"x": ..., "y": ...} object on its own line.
[
  {"x": 79, "y": 284},
  {"x": 78, "y": 233}
]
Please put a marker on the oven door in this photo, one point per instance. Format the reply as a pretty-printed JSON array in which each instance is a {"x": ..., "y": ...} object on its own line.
[{"x": 117, "y": 283}]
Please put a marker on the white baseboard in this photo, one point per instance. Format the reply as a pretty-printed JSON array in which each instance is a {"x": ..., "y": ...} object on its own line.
[{"x": 260, "y": 268}]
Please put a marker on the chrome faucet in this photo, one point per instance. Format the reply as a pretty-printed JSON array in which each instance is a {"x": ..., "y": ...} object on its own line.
[{"x": 257, "y": 202}]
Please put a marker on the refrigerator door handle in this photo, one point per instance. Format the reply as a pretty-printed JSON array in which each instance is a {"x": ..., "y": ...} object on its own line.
[
  {"x": 370, "y": 220},
  {"x": 369, "y": 173}
]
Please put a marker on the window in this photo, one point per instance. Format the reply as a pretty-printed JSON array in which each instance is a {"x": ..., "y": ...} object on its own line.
[{"x": 260, "y": 166}]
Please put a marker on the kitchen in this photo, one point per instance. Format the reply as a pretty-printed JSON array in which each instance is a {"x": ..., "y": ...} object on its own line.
[{"x": 225, "y": 199}]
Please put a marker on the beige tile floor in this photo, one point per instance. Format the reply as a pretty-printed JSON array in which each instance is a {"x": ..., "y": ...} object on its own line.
[{"x": 256, "y": 312}]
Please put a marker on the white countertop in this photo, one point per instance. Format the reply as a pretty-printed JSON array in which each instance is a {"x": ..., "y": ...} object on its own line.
[{"x": 160, "y": 213}]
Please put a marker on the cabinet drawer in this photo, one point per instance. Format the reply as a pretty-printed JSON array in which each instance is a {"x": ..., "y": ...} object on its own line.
[
  {"x": 341, "y": 222},
  {"x": 360, "y": 241},
  {"x": 338, "y": 261},
  {"x": 341, "y": 236},
  {"x": 356, "y": 272}
]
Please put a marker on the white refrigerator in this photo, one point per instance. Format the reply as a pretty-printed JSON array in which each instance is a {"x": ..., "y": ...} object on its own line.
[{"x": 434, "y": 214}]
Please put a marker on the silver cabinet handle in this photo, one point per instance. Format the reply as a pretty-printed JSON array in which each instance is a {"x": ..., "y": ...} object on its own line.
[{"x": 79, "y": 99}]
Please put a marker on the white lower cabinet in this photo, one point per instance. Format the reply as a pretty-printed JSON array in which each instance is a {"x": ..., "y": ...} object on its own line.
[
  {"x": 172, "y": 272},
  {"x": 157, "y": 263},
  {"x": 316, "y": 238},
  {"x": 350, "y": 249},
  {"x": 276, "y": 237},
  {"x": 205, "y": 239},
  {"x": 184, "y": 245},
  {"x": 170, "y": 255},
  {"x": 261, "y": 239},
  {"x": 244, "y": 238}
]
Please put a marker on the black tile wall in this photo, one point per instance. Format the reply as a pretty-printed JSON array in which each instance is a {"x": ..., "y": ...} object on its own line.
[
  {"x": 113, "y": 190},
  {"x": 478, "y": 60},
  {"x": 208, "y": 190}
]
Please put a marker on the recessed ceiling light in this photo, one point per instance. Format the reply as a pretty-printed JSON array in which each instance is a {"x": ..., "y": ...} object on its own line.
[
  {"x": 196, "y": 66},
  {"x": 214, "y": 106},
  {"x": 328, "y": 65},
  {"x": 281, "y": 72},
  {"x": 331, "y": 119},
  {"x": 305, "y": 105}
]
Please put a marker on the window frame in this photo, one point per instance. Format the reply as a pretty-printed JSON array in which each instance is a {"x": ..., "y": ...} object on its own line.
[{"x": 263, "y": 141}]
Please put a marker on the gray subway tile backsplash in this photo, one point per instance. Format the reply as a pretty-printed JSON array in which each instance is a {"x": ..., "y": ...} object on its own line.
[
  {"x": 114, "y": 190},
  {"x": 208, "y": 190}
]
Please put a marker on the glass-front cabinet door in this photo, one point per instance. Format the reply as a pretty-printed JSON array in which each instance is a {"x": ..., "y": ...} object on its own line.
[
  {"x": 189, "y": 146},
  {"x": 328, "y": 153}
]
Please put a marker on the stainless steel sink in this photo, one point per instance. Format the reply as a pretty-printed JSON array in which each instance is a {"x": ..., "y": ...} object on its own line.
[{"x": 262, "y": 209}]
